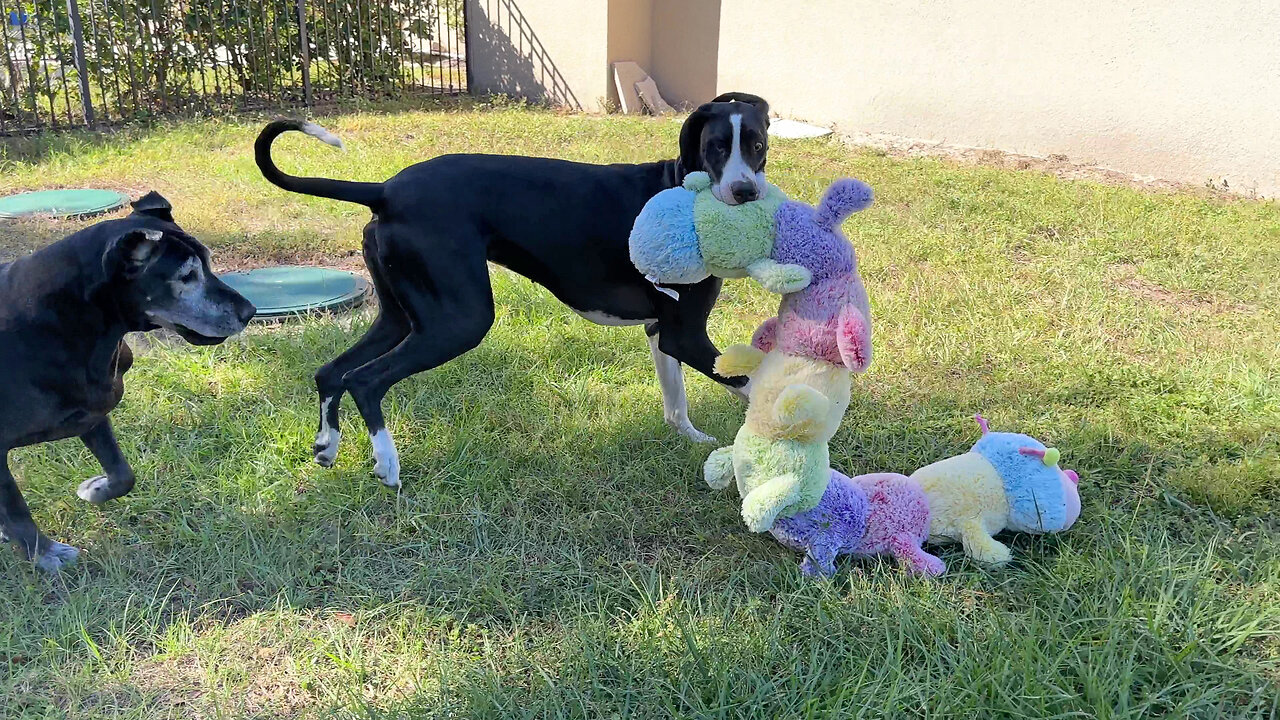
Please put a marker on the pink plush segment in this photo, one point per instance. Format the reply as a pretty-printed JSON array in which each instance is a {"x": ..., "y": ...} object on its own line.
[
  {"x": 766, "y": 335},
  {"x": 854, "y": 339},
  {"x": 809, "y": 321},
  {"x": 898, "y": 507}
]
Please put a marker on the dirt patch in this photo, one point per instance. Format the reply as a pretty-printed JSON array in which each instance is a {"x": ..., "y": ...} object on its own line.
[
  {"x": 1057, "y": 165},
  {"x": 351, "y": 261},
  {"x": 1126, "y": 276}
]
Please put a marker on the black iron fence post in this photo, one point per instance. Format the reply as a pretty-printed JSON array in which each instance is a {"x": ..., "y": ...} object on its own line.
[
  {"x": 82, "y": 66},
  {"x": 305, "y": 55}
]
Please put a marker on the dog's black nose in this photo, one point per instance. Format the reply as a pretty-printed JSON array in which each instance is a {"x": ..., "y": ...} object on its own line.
[
  {"x": 744, "y": 191},
  {"x": 245, "y": 311}
]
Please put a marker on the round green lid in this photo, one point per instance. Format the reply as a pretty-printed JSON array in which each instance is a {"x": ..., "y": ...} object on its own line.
[
  {"x": 291, "y": 290},
  {"x": 61, "y": 203}
]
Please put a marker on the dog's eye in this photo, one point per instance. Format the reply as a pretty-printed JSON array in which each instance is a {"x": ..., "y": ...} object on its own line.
[
  {"x": 759, "y": 146},
  {"x": 190, "y": 277}
]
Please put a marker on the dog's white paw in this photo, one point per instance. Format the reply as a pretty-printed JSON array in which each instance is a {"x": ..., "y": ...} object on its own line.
[
  {"x": 687, "y": 429},
  {"x": 57, "y": 556},
  {"x": 325, "y": 448},
  {"x": 96, "y": 489},
  {"x": 741, "y": 393},
  {"x": 386, "y": 461}
]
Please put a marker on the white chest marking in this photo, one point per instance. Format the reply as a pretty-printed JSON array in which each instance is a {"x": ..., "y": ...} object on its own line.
[{"x": 601, "y": 318}]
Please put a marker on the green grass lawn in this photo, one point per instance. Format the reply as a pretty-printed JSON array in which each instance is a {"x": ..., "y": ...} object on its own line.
[{"x": 554, "y": 551}]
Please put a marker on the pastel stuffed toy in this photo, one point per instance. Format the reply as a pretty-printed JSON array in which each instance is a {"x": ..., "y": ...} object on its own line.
[
  {"x": 800, "y": 365},
  {"x": 881, "y": 513},
  {"x": 1008, "y": 480},
  {"x": 684, "y": 235}
]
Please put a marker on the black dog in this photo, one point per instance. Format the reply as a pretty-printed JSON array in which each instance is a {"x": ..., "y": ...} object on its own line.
[
  {"x": 564, "y": 225},
  {"x": 64, "y": 312}
]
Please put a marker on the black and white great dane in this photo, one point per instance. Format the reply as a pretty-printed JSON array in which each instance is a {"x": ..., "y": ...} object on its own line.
[
  {"x": 64, "y": 313},
  {"x": 564, "y": 225}
]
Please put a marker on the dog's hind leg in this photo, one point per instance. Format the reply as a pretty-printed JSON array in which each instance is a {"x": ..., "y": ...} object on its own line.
[
  {"x": 119, "y": 479},
  {"x": 389, "y": 328},
  {"x": 675, "y": 403},
  {"x": 442, "y": 284},
  {"x": 17, "y": 525}
]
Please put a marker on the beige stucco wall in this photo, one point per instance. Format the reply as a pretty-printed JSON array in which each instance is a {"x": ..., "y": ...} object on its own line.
[
  {"x": 562, "y": 51},
  {"x": 544, "y": 50},
  {"x": 685, "y": 45},
  {"x": 630, "y": 29},
  {"x": 1179, "y": 89}
]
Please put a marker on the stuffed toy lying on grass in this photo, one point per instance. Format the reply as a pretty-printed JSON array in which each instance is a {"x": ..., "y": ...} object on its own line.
[
  {"x": 684, "y": 235},
  {"x": 800, "y": 365},
  {"x": 1008, "y": 480},
  {"x": 881, "y": 513}
]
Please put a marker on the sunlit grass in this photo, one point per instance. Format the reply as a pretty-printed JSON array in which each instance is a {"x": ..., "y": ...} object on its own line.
[{"x": 554, "y": 550}]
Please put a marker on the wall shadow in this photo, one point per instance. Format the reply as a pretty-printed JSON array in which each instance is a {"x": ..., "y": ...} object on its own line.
[{"x": 507, "y": 58}]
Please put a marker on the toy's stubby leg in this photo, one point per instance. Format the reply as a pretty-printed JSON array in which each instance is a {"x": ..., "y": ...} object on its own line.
[
  {"x": 979, "y": 545},
  {"x": 913, "y": 558},
  {"x": 819, "y": 560},
  {"x": 799, "y": 409},
  {"x": 739, "y": 360},
  {"x": 762, "y": 505},
  {"x": 718, "y": 469},
  {"x": 766, "y": 336},
  {"x": 777, "y": 278}
]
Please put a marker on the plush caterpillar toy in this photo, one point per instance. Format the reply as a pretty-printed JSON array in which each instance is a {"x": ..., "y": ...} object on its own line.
[
  {"x": 800, "y": 365},
  {"x": 1008, "y": 480}
]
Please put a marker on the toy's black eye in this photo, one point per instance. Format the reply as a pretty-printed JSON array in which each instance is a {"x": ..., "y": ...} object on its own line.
[{"x": 759, "y": 146}]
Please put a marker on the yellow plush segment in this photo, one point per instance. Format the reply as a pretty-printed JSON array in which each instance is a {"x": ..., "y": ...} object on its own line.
[
  {"x": 739, "y": 360},
  {"x": 779, "y": 371},
  {"x": 966, "y": 497}
]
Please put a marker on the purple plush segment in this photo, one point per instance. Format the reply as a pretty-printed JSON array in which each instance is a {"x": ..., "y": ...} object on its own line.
[
  {"x": 874, "y": 514},
  {"x": 800, "y": 240},
  {"x": 809, "y": 321},
  {"x": 834, "y": 527}
]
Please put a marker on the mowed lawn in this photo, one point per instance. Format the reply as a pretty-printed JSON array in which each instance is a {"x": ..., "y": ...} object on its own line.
[{"x": 554, "y": 550}]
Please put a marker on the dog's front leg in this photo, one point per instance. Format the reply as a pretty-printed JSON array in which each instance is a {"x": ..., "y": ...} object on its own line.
[
  {"x": 119, "y": 479},
  {"x": 16, "y": 525},
  {"x": 683, "y": 333}
]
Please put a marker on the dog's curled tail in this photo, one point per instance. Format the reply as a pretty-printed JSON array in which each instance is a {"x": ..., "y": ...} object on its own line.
[{"x": 361, "y": 193}]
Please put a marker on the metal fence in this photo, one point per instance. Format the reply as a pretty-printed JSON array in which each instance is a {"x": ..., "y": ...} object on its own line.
[{"x": 85, "y": 62}]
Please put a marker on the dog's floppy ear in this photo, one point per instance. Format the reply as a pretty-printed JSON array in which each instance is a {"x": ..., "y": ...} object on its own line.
[
  {"x": 753, "y": 100},
  {"x": 691, "y": 139},
  {"x": 154, "y": 204},
  {"x": 131, "y": 253}
]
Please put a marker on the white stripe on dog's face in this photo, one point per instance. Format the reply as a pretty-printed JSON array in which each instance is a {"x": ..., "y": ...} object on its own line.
[{"x": 736, "y": 169}]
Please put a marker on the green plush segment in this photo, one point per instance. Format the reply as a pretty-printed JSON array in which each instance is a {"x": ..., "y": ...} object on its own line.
[
  {"x": 734, "y": 236},
  {"x": 757, "y": 460}
]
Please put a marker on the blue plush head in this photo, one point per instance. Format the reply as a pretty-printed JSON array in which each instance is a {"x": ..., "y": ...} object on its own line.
[
  {"x": 1042, "y": 497},
  {"x": 664, "y": 242}
]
